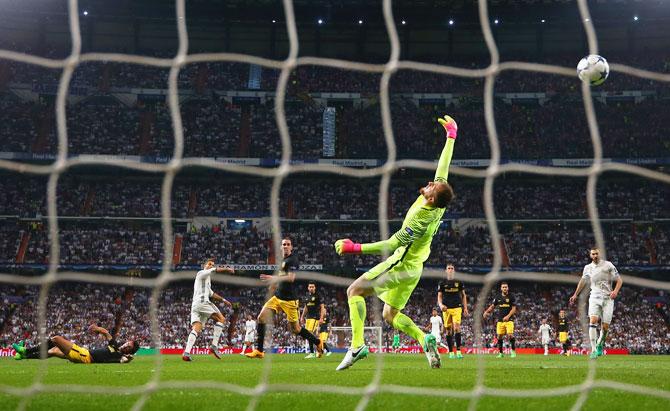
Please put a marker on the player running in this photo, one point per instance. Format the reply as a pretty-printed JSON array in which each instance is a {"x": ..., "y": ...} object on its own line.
[
  {"x": 61, "y": 347},
  {"x": 506, "y": 308},
  {"x": 324, "y": 331},
  {"x": 285, "y": 299},
  {"x": 453, "y": 302},
  {"x": 601, "y": 273},
  {"x": 249, "y": 334},
  {"x": 563, "y": 336},
  {"x": 312, "y": 315},
  {"x": 436, "y": 327},
  {"x": 545, "y": 335},
  {"x": 202, "y": 309},
  {"x": 394, "y": 279}
]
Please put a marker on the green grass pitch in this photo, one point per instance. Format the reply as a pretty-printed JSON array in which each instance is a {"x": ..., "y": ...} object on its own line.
[{"x": 523, "y": 372}]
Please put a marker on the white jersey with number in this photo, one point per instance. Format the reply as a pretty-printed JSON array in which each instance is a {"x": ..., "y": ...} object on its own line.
[
  {"x": 202, "y": 288},
  {"x": 545, "y": 330},
  {"x": 601, "y": 276},
  {"x": 436, "y": 325}
]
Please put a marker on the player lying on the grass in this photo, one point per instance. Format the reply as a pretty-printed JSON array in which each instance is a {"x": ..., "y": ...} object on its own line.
[
  {"x": 600, "y": 273},
  {"x": 61, "y": 347},
  {"x": 506, "y": 308},
  {"x": 563, "y": 336},
  {"x": 313, "y": 314},
  {"x": 286, "y": 300},
  {"x": 453, "y": 302},
  {"x": 394, "y": 279},
  {"x": 202, "y": 308}
]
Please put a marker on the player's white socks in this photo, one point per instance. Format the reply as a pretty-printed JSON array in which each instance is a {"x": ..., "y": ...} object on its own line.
[
  {"x": 546, "y": 349},
  {"x": 191, "y": 341},
  {"x": 593, "y": 336},
  {"x": 218, "y": 329}
]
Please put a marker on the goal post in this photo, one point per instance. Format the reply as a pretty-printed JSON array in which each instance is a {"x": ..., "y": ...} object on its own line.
[{"x": 373, "y": 335}]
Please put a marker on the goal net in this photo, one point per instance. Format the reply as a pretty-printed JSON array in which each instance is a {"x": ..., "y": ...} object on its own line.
[{"x": 169, "y": 170}]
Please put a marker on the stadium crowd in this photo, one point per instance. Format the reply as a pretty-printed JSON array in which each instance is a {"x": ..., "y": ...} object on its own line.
[{"x": 637, "y": 325}]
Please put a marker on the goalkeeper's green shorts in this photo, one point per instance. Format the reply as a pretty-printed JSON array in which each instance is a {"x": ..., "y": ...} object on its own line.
[{"x": 394, "y": 279}]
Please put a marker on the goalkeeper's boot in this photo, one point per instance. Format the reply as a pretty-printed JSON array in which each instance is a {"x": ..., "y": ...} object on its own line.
[
  {"x": 599, "y": 350},
  {"x": 512, "y": 354},
  {"x": 310, "y": 356},
  {"x": 432, "y": 353},
  {"x": 19, "y": 348},
  {"x": 214, "y": 350},
  {"x": 451, "y": 355},
  {"x": 459, "y": 355},
  {"x": 500, "y": 355},
  {"x": 255, "y": 354},
  {"x": 186, "y": 357},
  {"x": 593, "y": 355},
  {"x": 352, "y": 356}
]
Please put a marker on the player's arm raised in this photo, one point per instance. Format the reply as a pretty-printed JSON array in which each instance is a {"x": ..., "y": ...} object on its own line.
[
  {"x": 451, "y": 130},
  {"x": 99, "y": 330}
]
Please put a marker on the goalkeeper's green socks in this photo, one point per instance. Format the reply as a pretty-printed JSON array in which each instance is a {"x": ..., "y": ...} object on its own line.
[
  {"x": 405, "y": 324},
  {"x": 357, "y": 314}
]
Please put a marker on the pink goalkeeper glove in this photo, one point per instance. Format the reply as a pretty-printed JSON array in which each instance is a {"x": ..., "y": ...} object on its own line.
[
  {"x": 347, "y": 246},
  {"x": 449, "y": 125}
]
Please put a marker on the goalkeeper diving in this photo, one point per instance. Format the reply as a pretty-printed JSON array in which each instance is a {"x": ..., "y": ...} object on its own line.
[{"x": 394, "y": 279}]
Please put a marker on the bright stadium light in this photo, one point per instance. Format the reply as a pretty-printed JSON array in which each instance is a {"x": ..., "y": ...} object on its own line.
[
  {"x": 320, "y": 21},
  {"x": 85, "y": 13},
  {"x": 496, "y": 21},
  {"x": 403, "y": 22},
  {"x": 274, "y": 21},
  {"x": 635, "y": 18},
  {"x": 240, "y": 221},
  {"x": 543, "y": 21},
  {"x": 360, "y": 21},
  {"x": 451, "y": 22}
]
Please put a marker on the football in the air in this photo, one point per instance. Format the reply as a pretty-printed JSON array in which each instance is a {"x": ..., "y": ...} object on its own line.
[{"x": 593, "y": 69}]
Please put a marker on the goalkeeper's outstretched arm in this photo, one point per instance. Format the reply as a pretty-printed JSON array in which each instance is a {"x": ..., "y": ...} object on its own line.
[{"x": 451, "y": 128}]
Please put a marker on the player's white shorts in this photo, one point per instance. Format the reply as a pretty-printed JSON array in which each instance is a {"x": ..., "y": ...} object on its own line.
[
  {"x": 545, "y": 341},
  {"x": 601, "y": 307},
  {"x": 438, "y": 337},
  {"x": 202, "y": 311},
  {"x": 250, "y": 336}
]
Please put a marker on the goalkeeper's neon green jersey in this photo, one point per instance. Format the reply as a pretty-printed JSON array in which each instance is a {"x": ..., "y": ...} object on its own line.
[
  {"x": 418, "y": 229},
  {"x": 420, "y": 224}
]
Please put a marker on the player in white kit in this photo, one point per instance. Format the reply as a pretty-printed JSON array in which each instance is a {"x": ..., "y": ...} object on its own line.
[
  {"x": 601, "y": 274},
  {"x": 545, "y": 331},
  {"x": 249, "y": 334},
  {"x": 436, "y": 327},
  {"x": 202, "y": 309}
]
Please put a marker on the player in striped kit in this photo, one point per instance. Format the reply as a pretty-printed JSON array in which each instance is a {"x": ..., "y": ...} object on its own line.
[
  {"x": 202, "y": 309},
  {"x": 600, "y": 273}
]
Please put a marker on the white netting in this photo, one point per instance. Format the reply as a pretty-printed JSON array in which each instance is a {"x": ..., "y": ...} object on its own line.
[{"x": 169, "y": 170}]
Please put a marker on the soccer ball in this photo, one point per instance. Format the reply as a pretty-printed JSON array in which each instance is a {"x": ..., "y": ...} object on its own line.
[{"x": 593, "y": 69}]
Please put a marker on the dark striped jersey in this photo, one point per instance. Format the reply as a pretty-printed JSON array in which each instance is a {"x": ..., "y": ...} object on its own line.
[
  {"x": 562, "y": 325},
  {"x": 285, "y": 289},
  {"x": 110, "y": 354},
  {"x": 503, "y": 305},
  {"x": 323, "y": 328},
  {"x": 313, "y": 303},
  {"x": 451, "y": 293}
]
